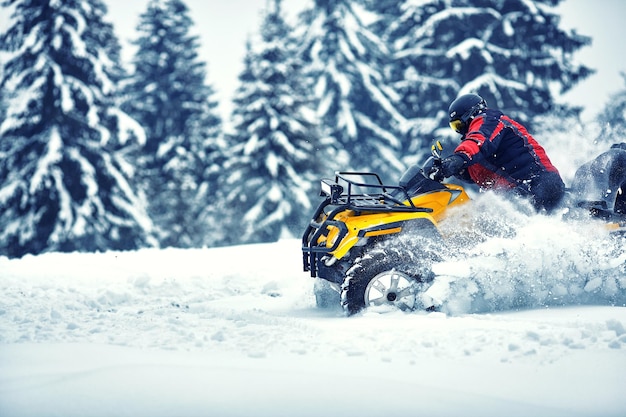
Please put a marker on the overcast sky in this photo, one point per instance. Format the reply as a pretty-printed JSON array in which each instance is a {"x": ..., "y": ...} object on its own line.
[{"x": 604, "y": 21}]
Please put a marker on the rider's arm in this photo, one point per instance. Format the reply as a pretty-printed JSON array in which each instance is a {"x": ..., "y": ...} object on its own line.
[{"x": 472, "y": 142}]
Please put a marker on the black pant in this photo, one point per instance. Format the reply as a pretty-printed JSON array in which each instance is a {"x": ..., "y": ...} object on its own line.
[{"x": 545, "y": 191}]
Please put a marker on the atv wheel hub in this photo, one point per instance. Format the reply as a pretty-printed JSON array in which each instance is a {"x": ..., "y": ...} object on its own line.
[{"x": 391, "y": 288}]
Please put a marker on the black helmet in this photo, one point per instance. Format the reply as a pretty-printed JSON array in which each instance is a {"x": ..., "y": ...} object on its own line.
[{"x": 463, "y": 109}]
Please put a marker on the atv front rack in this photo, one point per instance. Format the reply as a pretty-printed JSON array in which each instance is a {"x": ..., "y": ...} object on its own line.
[
  {"x": 351, "y": 194},
  {"x": 346, "y": 193}
]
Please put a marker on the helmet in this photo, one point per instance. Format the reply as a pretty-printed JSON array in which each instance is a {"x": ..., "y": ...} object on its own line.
[{"x": 463, "y": 110}]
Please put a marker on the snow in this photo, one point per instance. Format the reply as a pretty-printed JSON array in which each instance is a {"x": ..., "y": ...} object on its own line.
[
  {"x": 235, "y": 332},
  {"x": 53, "y": 154}
]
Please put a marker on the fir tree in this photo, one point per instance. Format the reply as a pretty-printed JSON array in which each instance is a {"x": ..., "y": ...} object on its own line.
[
  {"x": 345, "y": 61},
  {"x": 169, "y": 96},
  {"x": 276, "y": 151},
  {"x": 63, "y": 182},
  {"x": 513, "y": 53}
]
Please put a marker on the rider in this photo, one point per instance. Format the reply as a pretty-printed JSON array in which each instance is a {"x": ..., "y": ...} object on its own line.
[{"x": 498, "y": 153}]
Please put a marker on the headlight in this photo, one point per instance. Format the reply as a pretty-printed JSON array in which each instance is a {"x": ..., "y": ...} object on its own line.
[{"x": 330, "y": 189}]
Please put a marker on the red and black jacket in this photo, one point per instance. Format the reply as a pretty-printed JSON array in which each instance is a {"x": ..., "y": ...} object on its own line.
[{"x": 501, "y": 153}]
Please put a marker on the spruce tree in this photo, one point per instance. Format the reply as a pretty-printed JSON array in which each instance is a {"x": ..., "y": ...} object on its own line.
[
  {"x": 277, "y": 155},
  {"x": 346, "y": 61},
  {"x": 168, "y": 94},
  {"x": 64, "y": 185},
  {"x": 512, "y": 52}
]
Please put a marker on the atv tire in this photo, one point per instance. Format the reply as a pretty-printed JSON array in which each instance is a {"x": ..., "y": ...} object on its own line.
[{"x": 388, "y": 276}]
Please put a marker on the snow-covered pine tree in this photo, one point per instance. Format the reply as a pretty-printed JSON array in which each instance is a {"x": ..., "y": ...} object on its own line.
[
  {"x": 346, "y": 61},
  {"x": 169, "y": 96},
  {"x": 276, "y": 151},
  {"x": 63, "y": 187},
  {"x": 612, "y": 120},
  {"x": 511, "y": 52}
]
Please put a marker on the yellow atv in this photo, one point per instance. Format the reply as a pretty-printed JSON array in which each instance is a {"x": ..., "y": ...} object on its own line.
[{"x": 371, "y": 244}]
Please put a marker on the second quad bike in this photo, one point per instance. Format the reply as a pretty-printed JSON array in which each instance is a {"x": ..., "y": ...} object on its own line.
[{"x": 373, "y": 244}]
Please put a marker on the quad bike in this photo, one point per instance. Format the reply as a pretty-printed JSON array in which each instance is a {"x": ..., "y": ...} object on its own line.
[
  {"x": 600, "y": 186},
  {"x": 371, "y": 244}
]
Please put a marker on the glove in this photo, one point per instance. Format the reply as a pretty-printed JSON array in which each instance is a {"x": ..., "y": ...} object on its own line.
[
  {"x": 452, "y": 165},
  {"x": 435, "y": 173}
]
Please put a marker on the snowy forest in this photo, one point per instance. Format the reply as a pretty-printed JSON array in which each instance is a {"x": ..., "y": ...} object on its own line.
[{"x": 96, "y": 156}]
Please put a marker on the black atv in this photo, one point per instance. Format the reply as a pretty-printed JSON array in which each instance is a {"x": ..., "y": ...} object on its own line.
[{"x": 600, "y": 185}]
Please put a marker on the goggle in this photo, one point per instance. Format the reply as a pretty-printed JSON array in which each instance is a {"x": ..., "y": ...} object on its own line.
[{"x": 457, "y": 126}]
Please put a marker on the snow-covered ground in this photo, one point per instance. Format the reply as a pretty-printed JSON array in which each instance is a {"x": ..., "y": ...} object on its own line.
[{"x": 235, "y": 332}]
